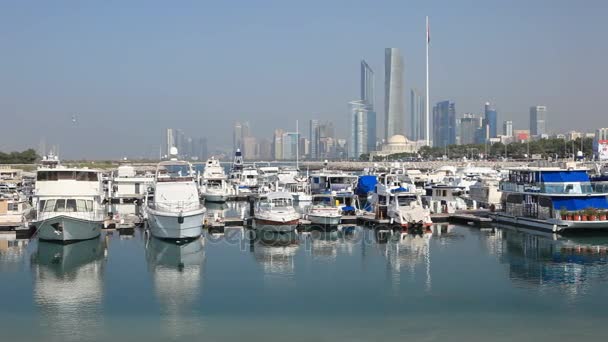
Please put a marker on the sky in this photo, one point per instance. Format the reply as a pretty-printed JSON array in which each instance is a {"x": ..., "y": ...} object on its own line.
[{"x": 129, "y": 69}]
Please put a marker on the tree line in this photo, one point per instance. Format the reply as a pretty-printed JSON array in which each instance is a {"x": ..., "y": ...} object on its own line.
[
  {"x": 545, "y": 148},
  {"x": 28, "y": 156}
]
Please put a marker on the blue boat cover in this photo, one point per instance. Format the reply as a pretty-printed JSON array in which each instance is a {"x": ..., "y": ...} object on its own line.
[
  {"x": 366, "y": 184},
  {"x": 400, "y": 189},
  {"x": 580, "y": 203},
  {"x": 564, "y": 176}
]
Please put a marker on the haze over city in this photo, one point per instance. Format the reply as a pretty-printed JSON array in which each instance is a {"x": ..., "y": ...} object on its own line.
[{"x": 105, "y": 79}]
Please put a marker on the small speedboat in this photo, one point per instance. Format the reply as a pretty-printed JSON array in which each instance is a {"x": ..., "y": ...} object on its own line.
[
  {"x": 324, "y": 211},
  {"x": 274, "y": 211}
]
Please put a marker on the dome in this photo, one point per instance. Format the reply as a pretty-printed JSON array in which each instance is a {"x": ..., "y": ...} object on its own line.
[{"x": 397, "y": 140}]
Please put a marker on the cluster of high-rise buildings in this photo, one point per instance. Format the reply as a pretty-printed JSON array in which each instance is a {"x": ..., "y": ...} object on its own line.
[
  {"x": 402, "y": 133},
  {"x": 187, "y": 147},
  {"x": 320, "y": 143}
]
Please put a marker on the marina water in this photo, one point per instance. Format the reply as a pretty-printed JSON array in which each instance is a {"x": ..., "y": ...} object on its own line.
[{"x": 455, "y": 283}]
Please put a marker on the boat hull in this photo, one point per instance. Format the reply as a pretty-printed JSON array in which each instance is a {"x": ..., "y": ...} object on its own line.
[
  {"x": 275, "y": 226},
  {"x": 67, "y": 229},
  {"x": 188, "y": 225},
  {"x": 215, "y": 198},
  {"x": 551, "y": 225},
  {"x": 326, "y": 220}
]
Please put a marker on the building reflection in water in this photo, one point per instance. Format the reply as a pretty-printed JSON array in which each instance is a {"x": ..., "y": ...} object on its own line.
[
  {"x": 68, "y": 287},
  {"x": 12, "y": 251},
  {"x": 549, "y": 261},
  {"x": 177, "y": 273},
  {"x": 275, "y": 252}
]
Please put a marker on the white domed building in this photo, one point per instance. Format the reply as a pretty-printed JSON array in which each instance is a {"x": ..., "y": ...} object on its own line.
[{"x": 397, "y": 144}]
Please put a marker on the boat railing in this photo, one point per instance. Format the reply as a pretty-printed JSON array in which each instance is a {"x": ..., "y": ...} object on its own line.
[
  {"x": 582, "y": 188},
  {"x": 176, "y": 206}
]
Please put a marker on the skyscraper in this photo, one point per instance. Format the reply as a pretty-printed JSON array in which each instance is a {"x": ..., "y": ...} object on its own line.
[
  {"x": 237, "y": 136},
  {"x": 507, "y": 128},
  {"x": 170, "y": 142},
  {"x": 394, "y": 120},
  {"x": 367, "y": 85},
  {"x": 417, "y": 128},
  {"x": 290, "y": 145},
  {"x": 277, "y": 144},
  {"x": 491, "y": 119},
  {"x": 313, "y": 133},
  {"x": 358, "y": 126},
  {"x": 538, "y": 117},
  {"x": 469, "y": 124},
  {"x": 368, "y": 99},
  {"x": 444, "y": 127}
]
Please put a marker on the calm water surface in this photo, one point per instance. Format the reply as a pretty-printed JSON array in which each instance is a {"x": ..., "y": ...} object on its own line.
[{"x": 454, "y": 284}]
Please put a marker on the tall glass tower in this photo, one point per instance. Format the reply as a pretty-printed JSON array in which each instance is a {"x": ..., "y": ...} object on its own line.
[
  {"x": 394, "y": 120},
  {"x": 444, "y": 124},
  {"x": 491, "y": 119},
  {"x": 538, "y": 117},
  {"x": 417, "y": 129}
]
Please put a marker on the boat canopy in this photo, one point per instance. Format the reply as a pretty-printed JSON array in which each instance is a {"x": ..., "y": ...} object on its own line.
[
  {"x": 580, "y": 203},
  {"x": 564, "y": 176}
]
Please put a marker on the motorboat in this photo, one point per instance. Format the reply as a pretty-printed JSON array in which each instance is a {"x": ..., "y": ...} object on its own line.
[
  {"x": 214, "y": 187},
  {"x": 274, "y": 211},
  {"x": 249, "y": 180},
  {"x": 486, "y": 192},
  {"x": 406, "y": 209},
  {"x": 443, "y": 198},
  {"x": 15, "y": 211},
  {"x": 324, "y": 211},
  {"x": 175, "y": 212},
  {"x": 69, "y": 202}
]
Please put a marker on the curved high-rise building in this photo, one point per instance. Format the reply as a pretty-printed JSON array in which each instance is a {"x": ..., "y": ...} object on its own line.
[{"x": 394, "y": 120}]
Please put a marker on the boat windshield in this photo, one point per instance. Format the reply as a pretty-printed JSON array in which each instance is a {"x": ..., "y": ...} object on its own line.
[
  {"x": 281, "y": 202},
  {"x": 323, "y": 201},
  {"x": 406, "y": 200},
  {"x": 174, "y": 172}
]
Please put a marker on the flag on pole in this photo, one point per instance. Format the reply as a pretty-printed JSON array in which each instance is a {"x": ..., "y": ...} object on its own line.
[{"x": 428, "y": 31}]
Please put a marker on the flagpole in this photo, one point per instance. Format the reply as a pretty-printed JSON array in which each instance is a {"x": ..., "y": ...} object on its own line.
[{"x": 427, "y": 100}]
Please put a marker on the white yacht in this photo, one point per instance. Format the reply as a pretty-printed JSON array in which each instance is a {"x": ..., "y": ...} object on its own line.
[
  {"x": 486, "y": 192},
  {"x": 68, "y": 201},
  {"x": 249, "y": 180},
  {"x": 445, "y": 198},
  {"x": 15, "y": 211},
  {"x": 214, "y": 187},
  {"x": 324, "y": 211},
  {"x": 406, "y": 209},
  {"x": 400, "y": 200},
  {"x": 275, "y": 212},
  {"x": 175, "y": 212}
]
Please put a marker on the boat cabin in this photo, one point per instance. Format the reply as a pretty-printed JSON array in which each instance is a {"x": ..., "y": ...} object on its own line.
[
  {"x": 324, "y": 182},
  {"x": 543, "y": 192}
]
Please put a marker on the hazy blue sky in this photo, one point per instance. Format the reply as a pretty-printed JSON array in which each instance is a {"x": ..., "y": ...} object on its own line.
[{"x": 129, "y": 69}]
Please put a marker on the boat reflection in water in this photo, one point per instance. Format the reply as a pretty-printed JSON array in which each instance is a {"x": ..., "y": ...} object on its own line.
[
  {"x": 275, "y": 251},
  {"x": 177, "y": 271},
  {"x": 323, "y": 244},
  {"x": 550, "y": 261},
  {"x": 216, "y": 211},
  {"x": 68, "y": 287}
]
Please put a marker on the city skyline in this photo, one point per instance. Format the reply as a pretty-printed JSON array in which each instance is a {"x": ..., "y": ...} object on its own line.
[{"x": 115, "y": 77}]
